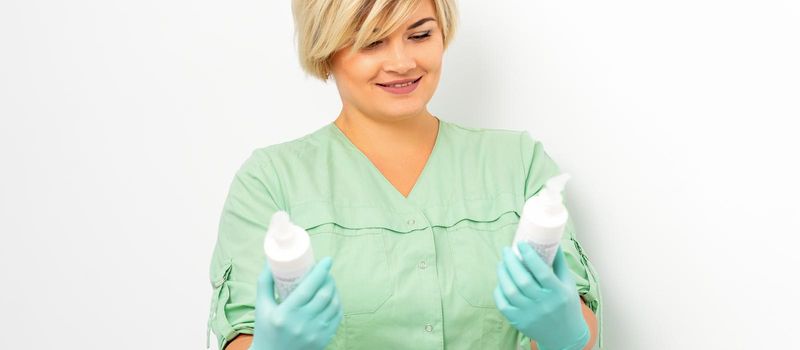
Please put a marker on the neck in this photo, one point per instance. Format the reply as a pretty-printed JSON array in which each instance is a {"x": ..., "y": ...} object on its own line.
[{"x": 393, "y": 137}]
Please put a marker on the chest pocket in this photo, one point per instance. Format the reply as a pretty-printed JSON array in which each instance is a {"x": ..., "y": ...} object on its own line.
[
  {"x": 360, "y": 269},
  {"x": 475, "y": 244}
]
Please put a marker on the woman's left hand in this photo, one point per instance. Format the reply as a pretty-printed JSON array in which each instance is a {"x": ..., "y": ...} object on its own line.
[{"x": 541, "y": 302}]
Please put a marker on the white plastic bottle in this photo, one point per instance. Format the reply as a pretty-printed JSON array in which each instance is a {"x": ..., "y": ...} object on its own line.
[
  {"x": 288, "y": 250},
  {"x": 543, "y": 220}
]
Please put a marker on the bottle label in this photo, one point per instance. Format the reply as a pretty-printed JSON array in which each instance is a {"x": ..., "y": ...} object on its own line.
[
  {"x": 285, "y": 285},
  {"x": 546, "y": 251}
]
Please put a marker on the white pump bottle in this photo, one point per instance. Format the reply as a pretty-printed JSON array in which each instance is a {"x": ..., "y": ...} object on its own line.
[
  {"x": 543, "y": 219},
  {"x": 288, "y": 250}
]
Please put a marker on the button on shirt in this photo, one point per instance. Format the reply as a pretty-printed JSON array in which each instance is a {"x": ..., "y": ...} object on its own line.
[{"x": 412, "y": 272}]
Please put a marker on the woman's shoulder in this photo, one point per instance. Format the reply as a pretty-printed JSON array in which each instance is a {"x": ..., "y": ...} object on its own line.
[
  {"x": 496, "y": 138},
  {"x": 297, "y": 148}
]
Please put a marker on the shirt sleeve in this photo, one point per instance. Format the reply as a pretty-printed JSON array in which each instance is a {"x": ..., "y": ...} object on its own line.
[
  {"x": 538, "y": 168},
  {"x": 238, "y": 255}
]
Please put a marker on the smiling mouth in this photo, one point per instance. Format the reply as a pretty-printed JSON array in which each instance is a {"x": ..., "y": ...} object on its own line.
[{"x": 401, "y": 85}]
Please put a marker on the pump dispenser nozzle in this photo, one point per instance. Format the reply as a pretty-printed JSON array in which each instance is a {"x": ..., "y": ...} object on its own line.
[
  {"x": 552, "y": 193},
  {"x": 555, "y": 185},
  {"x": 281, "y": 227}
]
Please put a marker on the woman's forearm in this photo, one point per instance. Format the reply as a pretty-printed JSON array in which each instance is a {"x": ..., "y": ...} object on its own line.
[
  {"x": 591, "y": 321},
  {"x": 240, "y": 342}
]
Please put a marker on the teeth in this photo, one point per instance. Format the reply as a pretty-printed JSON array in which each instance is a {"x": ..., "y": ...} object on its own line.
[{"x": 401, "y": 85}]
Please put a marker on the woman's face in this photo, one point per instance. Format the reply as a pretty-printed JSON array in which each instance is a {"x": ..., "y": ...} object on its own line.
[{"x": 407, "y": 54}]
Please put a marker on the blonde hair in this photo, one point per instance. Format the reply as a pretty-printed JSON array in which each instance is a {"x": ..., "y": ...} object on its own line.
[{"x": 322, "y": 27}]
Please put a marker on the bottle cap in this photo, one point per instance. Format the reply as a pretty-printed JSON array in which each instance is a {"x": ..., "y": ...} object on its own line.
[
  {"x": 551, "y": 196},
  {"x": 281, "y": 228},
  {"x": 287, "y": 246},
  {"x": 547, "y": 206}
]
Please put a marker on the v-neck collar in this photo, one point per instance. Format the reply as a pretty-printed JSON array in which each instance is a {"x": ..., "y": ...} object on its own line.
[{"x": 376, "y": 172}]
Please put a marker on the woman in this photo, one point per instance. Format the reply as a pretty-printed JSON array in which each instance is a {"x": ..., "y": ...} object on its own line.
[{"x": 410, "y": 216}]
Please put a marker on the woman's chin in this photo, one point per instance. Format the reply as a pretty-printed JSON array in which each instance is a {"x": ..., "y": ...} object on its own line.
[{"x": 403, "y": 112}]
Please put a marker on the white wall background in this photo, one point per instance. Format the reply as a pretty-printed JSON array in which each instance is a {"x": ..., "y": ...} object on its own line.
[{"x": 122, "y": 124}]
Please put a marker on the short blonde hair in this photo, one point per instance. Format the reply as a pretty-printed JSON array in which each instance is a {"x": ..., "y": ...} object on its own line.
[{"x": 322, "y": 27}]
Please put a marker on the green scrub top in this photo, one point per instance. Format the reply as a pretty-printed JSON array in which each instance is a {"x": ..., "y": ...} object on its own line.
[{"x": 412, "y": 272}]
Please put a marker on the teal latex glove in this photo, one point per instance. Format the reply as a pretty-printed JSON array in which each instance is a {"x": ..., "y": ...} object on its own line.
[
  {"x": 307, "y": 319},
  {"x": 541, "y": 302}
]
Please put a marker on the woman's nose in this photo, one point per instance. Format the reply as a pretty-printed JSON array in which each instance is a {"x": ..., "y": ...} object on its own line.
[{"x": 399, "y": 60}]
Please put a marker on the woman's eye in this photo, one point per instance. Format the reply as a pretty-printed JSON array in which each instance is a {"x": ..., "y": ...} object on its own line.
[
  {"x": 422, "y": 36},
  {"x": 373, "y": 44},
  {"x": 415, "y": 37}
]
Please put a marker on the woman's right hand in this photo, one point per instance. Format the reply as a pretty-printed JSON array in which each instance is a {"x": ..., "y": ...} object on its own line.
[{"x": 307, "y": 319}]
